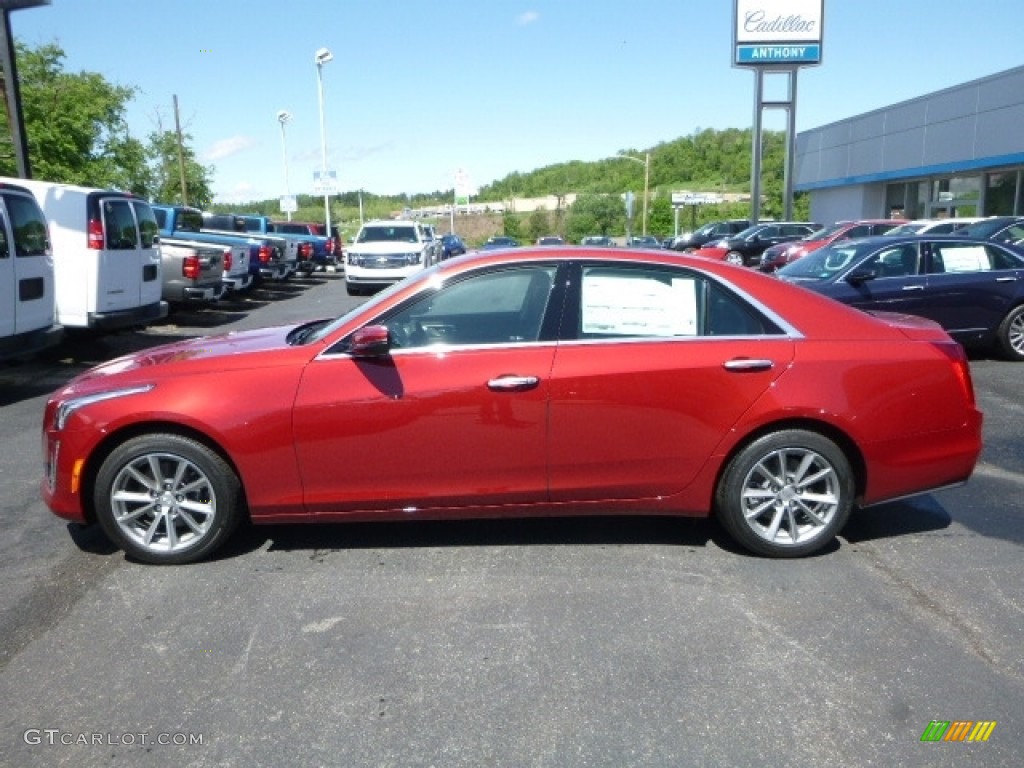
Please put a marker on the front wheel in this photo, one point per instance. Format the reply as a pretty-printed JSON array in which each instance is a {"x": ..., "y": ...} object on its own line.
[
  {"x": 787, "y": 494},
  {"x": 733, "y": 257},
  {"x": 1010, "y": 335},
  {"x": 167, "y": 499}
]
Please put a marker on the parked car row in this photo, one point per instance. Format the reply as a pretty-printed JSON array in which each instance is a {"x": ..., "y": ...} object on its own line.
[
  {"x": 74, "y": 257},
  {"x": 967, "y": 274}
]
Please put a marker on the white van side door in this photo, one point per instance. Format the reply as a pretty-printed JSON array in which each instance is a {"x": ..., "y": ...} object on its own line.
[{"x": 26, "y": 259}]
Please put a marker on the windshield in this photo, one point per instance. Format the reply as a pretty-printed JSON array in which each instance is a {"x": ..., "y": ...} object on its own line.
[
  {"x": 906, "y": 229},
  {"x": 824, "y": 263},
  {"x": 744, "y": 233},
  {"x": 825, "y": 232},
  {"x": 385, "y": 234},
  {"x": 982, "y": 229}
]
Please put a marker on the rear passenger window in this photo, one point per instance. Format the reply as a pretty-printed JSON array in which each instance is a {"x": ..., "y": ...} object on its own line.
[
  {"x": 120, "y": 225},
  {"x": 148, "y": 228},
  {"x": 620, "y": 302},
  {"x": 28, "y": 226},
  {"x": 968, "y": 257},
  {"x": 5, "y": 252}
]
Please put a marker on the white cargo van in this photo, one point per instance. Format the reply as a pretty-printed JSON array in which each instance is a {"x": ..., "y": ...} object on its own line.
[
  {"x": 26, "y": 276},
  {"x": 106, "y": 256}
]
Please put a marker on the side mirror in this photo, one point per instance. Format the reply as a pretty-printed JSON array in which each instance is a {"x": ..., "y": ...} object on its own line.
[
  {"x": 370, "y": 341},
  {"x": 859, "y": 276}
]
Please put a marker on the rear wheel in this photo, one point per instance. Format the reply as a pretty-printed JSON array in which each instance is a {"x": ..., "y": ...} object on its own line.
[
  {"x": 1010, "y": 335},
  {"x": 787, "y": 494},
  {"x": 167, "y": 499},
  {"x": 353, "y": 290},
  {"x": 734, "y": 257}
]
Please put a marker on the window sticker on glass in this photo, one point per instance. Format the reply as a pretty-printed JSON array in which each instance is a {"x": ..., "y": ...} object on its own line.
[
  {"x": 971, "y": 258},
  {"x": 638, "y": 305}
]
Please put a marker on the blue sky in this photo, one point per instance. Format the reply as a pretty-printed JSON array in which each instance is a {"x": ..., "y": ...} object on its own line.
[{"x": 419, "y": 89}]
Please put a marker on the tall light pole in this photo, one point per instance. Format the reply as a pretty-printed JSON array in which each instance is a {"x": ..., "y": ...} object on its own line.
[
  {"x": 283, "y": 117},
  {"x": 321, "y": 57},
  {"x": 646, "y": 163}
]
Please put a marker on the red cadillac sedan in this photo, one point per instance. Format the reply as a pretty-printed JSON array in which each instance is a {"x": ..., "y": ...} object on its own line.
[{"x": 540, "y": 381}]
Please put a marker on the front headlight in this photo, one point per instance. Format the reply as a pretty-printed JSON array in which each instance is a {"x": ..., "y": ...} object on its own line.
[{"x": 68, "y": 407}]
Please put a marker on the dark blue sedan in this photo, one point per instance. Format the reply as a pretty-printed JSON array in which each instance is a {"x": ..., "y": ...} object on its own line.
[{"x": 973, "y": 288}]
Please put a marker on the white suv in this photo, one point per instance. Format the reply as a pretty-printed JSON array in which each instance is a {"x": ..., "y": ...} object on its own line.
[{"x": 385, "y": 252}]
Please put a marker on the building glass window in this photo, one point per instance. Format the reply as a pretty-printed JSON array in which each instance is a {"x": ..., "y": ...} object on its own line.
[{"x": 1000, "y": 193}]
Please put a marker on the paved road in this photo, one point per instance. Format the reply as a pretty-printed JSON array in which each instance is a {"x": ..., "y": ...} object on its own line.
[{"x": 584, "y": 642}]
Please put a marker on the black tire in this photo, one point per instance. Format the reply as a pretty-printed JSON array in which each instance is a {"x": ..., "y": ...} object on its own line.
[
  {"x": 353, "y": 290},
  {"x": 1010, "y": 336},
  {"x": 735, "y": 257},
  {"x": 787, "y": 494},
  {"x": 167, "y": 499}
]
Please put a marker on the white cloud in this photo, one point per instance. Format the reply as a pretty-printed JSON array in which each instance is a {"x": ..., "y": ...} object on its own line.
[
  {"x": 231, "y": 146},
  {"x": 242, "y": 192},
  {"x": 527, "y": 18}
]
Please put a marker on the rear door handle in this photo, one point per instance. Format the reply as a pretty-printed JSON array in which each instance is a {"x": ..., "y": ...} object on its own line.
[
  {"x": 913, "y": 288},
  {"x": 741, "y": 365},
  {"x": 511, "y": 383}
]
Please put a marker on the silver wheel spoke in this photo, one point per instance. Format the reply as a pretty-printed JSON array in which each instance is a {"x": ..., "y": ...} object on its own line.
[
  {"x": 191, "y": 522},
  {"x": 151, "y": 530},
  {"x": 773, "y": 529},
  {"x": 144, "y": 480}
]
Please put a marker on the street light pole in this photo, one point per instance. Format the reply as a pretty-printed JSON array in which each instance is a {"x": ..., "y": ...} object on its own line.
[
  {"x": 646, "y": 163},
  {"x": 283, "y": 117},
  {"x": 321, "y": 57}
]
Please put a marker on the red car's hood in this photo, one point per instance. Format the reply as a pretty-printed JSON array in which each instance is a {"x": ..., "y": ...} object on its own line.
[{"x": 194, "y": 356}]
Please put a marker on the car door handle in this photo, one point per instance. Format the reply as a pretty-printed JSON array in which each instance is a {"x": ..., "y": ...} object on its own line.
[
  {"x": 510, "y": 383},
  {"x": 748, "y": 364},
  {"x": 913, "y": 288},
  {"x": 1010, "y": 279}
]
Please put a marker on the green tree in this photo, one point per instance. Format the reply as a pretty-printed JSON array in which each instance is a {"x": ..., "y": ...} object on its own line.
[
  {"x": 593, "y": 214},
  {"x": 660, "y": 216},
  {"x": 538, "y": 224},
  {"x": 75, "y": 125},
  {"x": 166, "y": 171},
  {"x": 511, "y": 225}
]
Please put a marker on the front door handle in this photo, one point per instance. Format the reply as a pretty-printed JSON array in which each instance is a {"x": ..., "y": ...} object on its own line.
[
  {"x": 748, "y": 364},
  {"x": 511, "y": 383}
]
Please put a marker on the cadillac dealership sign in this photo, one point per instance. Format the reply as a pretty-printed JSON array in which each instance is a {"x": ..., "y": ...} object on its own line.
[{"x": 778, "y": 33}]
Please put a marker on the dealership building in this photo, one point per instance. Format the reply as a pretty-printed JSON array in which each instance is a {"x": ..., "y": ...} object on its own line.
[{"x": 954, "y": 152}]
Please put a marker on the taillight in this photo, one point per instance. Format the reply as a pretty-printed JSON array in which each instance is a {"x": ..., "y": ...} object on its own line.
[
  {"x": 306, "y": 249},
  {"x": 227, "y": 259},
  {"x": 961, "y": 369},
  {"x": 331, "y": 245},
  {"x": 264, "y": 254},
  {"x": 190, "y": 267},
  {"x": 95, "y": 235}
]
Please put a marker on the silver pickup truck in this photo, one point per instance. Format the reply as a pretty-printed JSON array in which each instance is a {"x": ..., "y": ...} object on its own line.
[{"x": 192, "y": 271}]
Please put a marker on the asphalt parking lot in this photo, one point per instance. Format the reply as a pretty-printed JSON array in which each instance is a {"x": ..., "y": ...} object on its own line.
[{"x": 580, "y": 642}]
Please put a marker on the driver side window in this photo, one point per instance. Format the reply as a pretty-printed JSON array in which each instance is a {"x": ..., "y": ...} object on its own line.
[{"x": 501, "y": 307}]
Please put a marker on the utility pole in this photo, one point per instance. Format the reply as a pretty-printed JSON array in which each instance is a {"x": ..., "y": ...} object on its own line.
[{"x": 181, "y": 153}]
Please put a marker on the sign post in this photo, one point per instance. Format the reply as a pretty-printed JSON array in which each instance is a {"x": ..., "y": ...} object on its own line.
[{"x": 777, "y": 37}]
